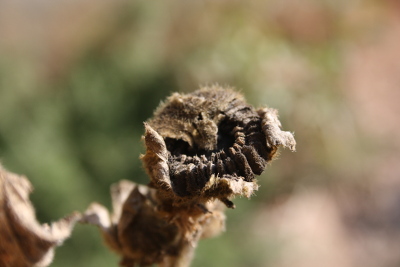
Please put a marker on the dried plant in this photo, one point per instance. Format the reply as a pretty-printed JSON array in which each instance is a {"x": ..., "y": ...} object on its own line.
[
  {"x": 202, "y": 149},
  {"x": 23, "y": 241}
]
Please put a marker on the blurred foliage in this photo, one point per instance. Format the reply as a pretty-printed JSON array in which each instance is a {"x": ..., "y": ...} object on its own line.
[{"x": 77, "y": 80}]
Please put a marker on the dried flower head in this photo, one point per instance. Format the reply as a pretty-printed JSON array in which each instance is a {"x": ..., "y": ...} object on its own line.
[
  {"x": 201, "y": 148},
  {"x": 210, "y": 144}
]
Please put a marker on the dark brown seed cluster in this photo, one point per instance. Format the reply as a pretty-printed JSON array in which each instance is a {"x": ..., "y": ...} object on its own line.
[{"x": 209, "y": 136}]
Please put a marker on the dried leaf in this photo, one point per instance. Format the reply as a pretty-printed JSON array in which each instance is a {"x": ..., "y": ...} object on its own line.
[{"x": 24, "y": 241}]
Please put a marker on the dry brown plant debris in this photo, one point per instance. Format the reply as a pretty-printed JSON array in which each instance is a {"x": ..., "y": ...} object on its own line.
[
  {"x": 24, "y": 242},
  {"x": 202, "y": 149}
]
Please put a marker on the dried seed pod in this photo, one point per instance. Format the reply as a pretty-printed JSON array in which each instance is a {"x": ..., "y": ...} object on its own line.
[
  {"x": 23, "y": 241},
  {"x": 210, "y": 144},
  {"x": 200, "y": 147}
]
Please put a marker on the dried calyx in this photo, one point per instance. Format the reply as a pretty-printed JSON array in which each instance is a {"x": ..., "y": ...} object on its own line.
[
  {"x": 210, "y": 144},
  {"x": 144, "y": 234}
]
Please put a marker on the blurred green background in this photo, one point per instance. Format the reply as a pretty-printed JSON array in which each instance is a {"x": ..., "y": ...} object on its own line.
[{"x": 78, "y": 78}]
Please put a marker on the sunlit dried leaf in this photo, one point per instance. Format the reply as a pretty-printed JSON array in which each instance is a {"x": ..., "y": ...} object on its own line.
[{"x": 24, "y": 241}]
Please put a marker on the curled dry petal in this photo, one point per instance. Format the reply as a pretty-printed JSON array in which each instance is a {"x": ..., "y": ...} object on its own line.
[
  {"x": 24, "y": 241},
  {"x": 271, "y": 127}
]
